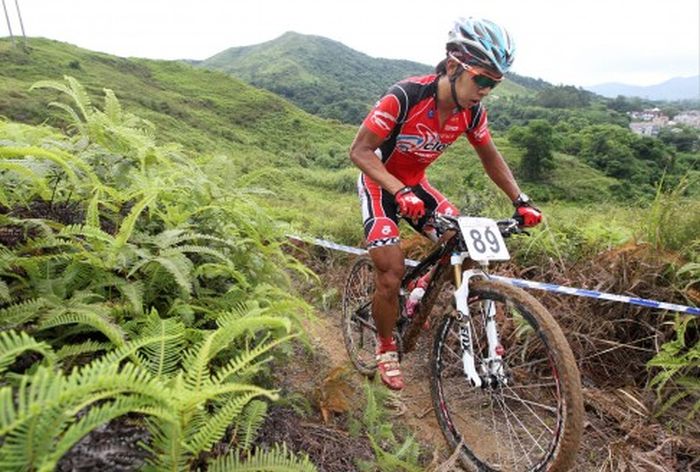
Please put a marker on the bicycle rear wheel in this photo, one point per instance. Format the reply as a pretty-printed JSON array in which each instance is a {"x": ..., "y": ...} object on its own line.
[
  {"x": 359, "y": 330},
  {"x": 530, "y": 416}
]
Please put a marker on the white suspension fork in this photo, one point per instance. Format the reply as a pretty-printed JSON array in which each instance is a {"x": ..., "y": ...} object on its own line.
[{"x": 493, "y": 366}]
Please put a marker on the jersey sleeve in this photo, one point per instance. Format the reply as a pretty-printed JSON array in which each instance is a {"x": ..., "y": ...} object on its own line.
[
  {"x": 382, "y": 119},
  {"x": 478, "y": 134}
]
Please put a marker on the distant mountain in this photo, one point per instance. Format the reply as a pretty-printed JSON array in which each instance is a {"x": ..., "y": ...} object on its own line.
[
  {"x": 678, "y": 88},
  {"x": 322, "y": 76}
]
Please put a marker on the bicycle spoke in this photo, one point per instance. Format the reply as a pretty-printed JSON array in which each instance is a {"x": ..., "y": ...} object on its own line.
[
  {"x": 359, "y": 331},
  {"x": 529, "y": 403},
  {"x": 512, "y": 433},
  {"x": 506, "y": 411}
]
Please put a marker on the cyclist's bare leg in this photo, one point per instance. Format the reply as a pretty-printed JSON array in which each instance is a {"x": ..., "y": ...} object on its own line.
[{"x": 389, "y": 269}]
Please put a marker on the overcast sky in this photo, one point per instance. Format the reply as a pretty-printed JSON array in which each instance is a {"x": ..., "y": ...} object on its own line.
[{"x": 578, "y": 42}]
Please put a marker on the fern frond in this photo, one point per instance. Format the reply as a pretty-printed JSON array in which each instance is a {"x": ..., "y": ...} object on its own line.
[
  {"x": 13, "y": 344},
  {"x": 79, "y": 95},
  {"x": 36, "y": 391},
  {"x": 5, "y": 291},
  {"x": 197, "y": 360},
  {"x": 75, "y": 91},
  {"x": 278, "y": 459},
  {"x": 179, "y": 267},
  {"x": 47, "y": 403},
  {"x": 228, "y": 270},
  {"x": 20, "y": 313},
  {"x": 216, "y": 425},
  {"x": 37, "y": 152},
  {"x": 100, "y": 323},
  {"x": 242, "y": 363},
  {"x": 89, "y": 232},
  {"x": 5, "y": 201},
  {"x": 170, "y": 238},
  {"x": 164, "y": 356},
  {"x": 167, "y": 447},
  {"x": 92, "y": 215},
  {"x": 249, "y": 424},
  {"x": 129, "y": 223},
  {"x": 79, "y": 276},
  {"x": 38, "y": 182},
  {"x": 74, "y": 350},
  {"x": 76, "y": 122},
  {"x": 133, "y": 292},
  {"x": 130, "y": 349},
  {"x": 197, "y": 398},
  {"x": 198, "y": 250},
  {"x": 98, "y": 416},
  {"x": 175, "y": 237},
  {"x": 113, "y": 109},
  {"x": 50, "y": 84}
]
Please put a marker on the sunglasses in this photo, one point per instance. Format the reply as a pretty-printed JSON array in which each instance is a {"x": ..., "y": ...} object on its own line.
[{"x": 478, "y": 76}]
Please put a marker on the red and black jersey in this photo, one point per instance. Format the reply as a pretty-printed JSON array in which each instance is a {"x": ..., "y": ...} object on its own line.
[{"x": 407, "y": 119}]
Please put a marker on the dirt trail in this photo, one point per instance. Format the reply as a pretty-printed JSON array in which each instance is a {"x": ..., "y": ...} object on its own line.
[
  {"x": 413, "y": 405},
  {"x": 619, "y": 432}
]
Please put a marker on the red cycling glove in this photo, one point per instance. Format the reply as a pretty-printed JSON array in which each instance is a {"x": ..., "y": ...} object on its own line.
[
  {"x": 528, "y": 216},
  {"x": 410, "y": 206}
]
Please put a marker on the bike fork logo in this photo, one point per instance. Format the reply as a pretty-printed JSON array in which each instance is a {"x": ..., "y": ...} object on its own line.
[{"x": 465, "y": 337}]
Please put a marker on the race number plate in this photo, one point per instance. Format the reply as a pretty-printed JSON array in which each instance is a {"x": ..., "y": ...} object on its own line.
[{"x": 484, "y": 241}]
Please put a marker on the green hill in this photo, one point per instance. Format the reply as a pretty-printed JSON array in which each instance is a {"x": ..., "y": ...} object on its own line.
[
  {"x": 322, "y": 76},
  {"x": 251, "y": 137},
  {"x": 202, "y": 109}
]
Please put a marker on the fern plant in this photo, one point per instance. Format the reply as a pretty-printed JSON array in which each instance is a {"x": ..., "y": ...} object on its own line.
[
  {"x": 13, "y": 344},
  {"x": 167, "y": 288},
  {"x": 390, "y": 453},
  {"x": 42, "y": 424},
  {"x": 277, "y": 459},
  {"x": 677, "y": 365},
  {"x": 189, "y": 402}
]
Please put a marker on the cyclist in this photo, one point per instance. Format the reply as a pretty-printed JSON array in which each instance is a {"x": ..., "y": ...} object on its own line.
[{"x": 408, "y": 128}]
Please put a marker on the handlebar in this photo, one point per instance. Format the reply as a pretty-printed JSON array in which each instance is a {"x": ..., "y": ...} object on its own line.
[{"x": 507, "y": 227}]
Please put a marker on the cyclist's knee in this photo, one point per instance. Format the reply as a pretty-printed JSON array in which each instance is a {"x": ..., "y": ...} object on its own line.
[
  {"x": 389, "y": 281},
  {"x": 389, "y": 267}
]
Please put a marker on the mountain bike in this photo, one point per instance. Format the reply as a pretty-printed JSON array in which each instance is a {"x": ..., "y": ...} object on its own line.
[{"x": 504, "y": 383}]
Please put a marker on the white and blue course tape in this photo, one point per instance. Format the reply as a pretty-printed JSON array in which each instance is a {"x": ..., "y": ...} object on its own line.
[{"x": 579, "y": 292}]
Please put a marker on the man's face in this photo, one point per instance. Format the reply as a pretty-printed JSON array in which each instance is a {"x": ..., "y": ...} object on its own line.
[{"x": 474, "y": 84}]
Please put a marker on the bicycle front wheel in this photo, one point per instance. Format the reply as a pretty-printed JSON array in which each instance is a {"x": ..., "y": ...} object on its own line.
[
  {"x": 359, "y": 330},
  {"x": 528, "y": 413}
]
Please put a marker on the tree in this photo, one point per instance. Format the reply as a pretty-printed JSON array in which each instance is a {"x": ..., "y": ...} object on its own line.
[
  {"x": 537, "y": 139},
  {"x": 683, "y": 138},
  {"x": 609, "y": 148},
  {"x": 564, "y": 96}
]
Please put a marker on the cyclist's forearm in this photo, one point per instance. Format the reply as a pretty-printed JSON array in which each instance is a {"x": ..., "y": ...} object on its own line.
[
  {"x": 498, "y": 171},
  {"x": 501, "y": 175},
  {"x": 369, "y": 163}
]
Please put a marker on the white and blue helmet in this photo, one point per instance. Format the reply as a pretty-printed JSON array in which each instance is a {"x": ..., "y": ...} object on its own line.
[{"x": 482, "y": 43}]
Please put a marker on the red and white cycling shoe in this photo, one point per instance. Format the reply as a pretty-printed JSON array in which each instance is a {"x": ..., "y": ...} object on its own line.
[{"x": 390, "y": 370}]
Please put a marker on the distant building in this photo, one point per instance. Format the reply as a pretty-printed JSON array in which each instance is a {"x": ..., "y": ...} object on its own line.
[
  {"x": 645, "y": 128},
  {"x": 648, "y": 122},
  {"x": 650, "y": 114},
  {"x": 689, "y": 118}
]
